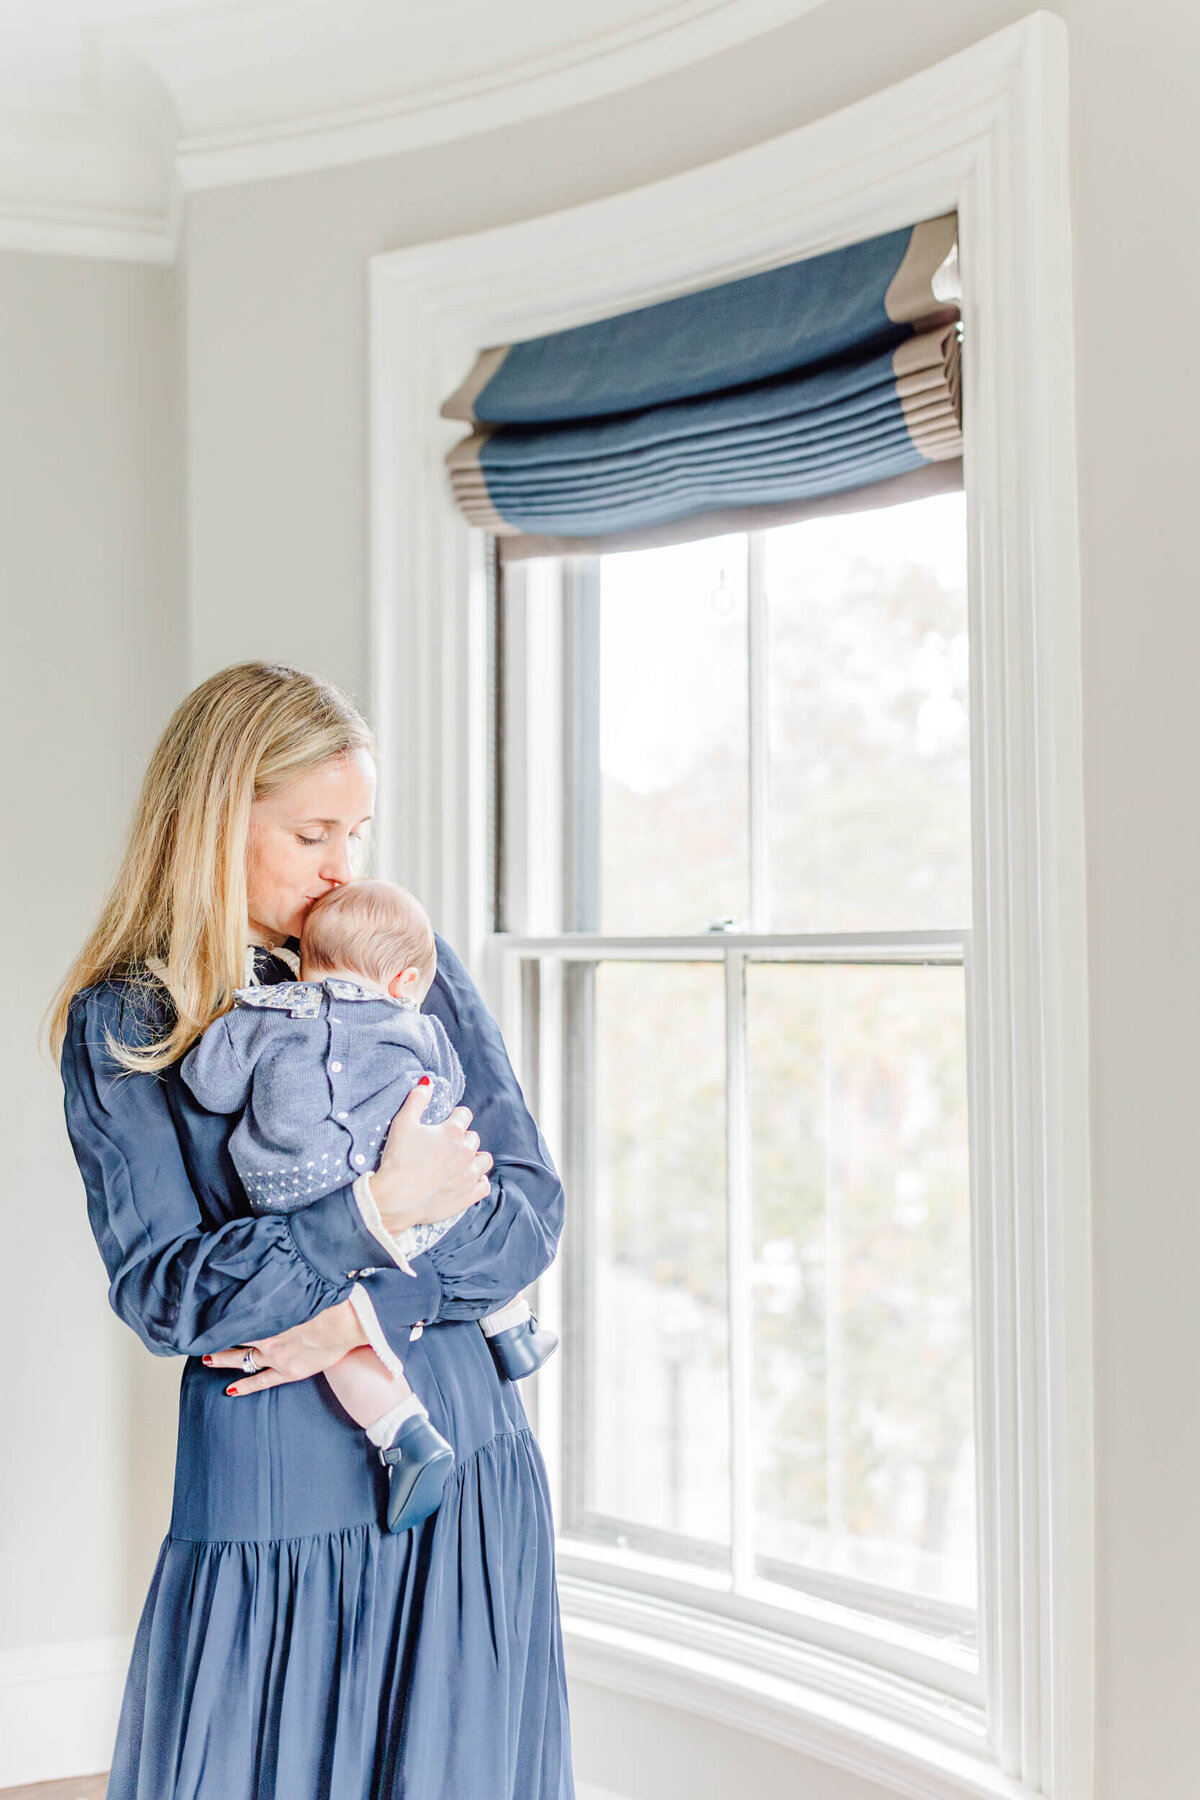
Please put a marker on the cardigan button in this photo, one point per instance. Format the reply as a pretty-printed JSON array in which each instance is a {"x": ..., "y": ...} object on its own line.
[{"x": 335, "y": 1068}]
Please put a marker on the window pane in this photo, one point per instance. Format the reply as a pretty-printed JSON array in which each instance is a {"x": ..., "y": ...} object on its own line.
[
  {"x": 656, "y": 1341},
  {"x": 673, "y": 738},
  {"x": 863, "y": 1428},
  {"x": 869, "y": 785}
]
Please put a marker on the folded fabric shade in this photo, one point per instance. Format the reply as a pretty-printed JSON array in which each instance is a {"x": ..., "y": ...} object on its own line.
[{"x": 759, "y": 400}]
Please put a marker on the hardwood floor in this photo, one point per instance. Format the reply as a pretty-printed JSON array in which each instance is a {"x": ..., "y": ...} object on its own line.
[{"x": 80, "y": 1787}]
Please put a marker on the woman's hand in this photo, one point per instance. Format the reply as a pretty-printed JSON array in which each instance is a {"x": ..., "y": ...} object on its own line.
[
  {"x": 428, "y": 1172},
  {"x": 294, "y": 1355}
]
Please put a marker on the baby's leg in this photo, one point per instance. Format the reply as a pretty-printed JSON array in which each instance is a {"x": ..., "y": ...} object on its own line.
[
  {"x": 517, "y": 1343},
  {"x": 378, "y": 1401},
  {"x": 505, "y": 1317},
  {"x": 418, "y": 1458}
]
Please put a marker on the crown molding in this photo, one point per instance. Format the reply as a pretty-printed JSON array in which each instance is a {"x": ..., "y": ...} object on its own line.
[
  {"x": 653, "y": 46},
  {"x": 49, "y": 228},
  {"x": 148, "y": 109}
]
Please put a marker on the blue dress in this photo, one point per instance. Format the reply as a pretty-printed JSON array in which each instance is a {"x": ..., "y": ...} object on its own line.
[{"x": 290, "y": 1648}]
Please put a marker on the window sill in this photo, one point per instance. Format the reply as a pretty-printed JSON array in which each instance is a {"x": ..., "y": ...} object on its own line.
[{"x": 866, "y": 1721}]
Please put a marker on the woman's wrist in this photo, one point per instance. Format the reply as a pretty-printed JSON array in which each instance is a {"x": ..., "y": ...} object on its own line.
[
  {"x": 399, "y": 1249},
  {"x": 396, "y": 1211},
  {"x": 357, "y": 1325}
]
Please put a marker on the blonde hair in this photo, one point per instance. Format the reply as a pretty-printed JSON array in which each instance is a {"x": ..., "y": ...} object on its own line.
[
  {"x": 177, "y": 912},
  {"x": 372, "y": 927}
]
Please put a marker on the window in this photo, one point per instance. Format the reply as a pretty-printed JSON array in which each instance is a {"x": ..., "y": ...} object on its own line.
[
  {"x": 884, "y": 1691},
  {"x": 733, "y": 799}
]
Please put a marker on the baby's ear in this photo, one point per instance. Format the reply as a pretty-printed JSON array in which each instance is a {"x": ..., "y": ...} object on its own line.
[{"x": 403, "y": 983}]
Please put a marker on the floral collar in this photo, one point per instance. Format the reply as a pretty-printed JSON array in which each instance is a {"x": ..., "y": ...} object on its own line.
[{"x": 302, "y": 999}]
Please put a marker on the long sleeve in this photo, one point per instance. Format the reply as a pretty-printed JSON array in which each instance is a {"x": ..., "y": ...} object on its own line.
[
  {"x": 184, "y": 1288},
  {"x": 215, "y": 1071},
  {"x": 505, "y": 1242}
]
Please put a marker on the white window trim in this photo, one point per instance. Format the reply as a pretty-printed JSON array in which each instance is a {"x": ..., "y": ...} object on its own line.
[{"x": 984, "y": 132}]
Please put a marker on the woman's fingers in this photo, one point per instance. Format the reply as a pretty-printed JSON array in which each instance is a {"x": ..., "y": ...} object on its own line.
[
  {"x": 417, "y": 1100},
  {"x": 300, "y": 1351},
  {"x": 254, "y": 1384},
  {"x": 428, "y": 1172},
  {"x": 230, "y": 1359}
]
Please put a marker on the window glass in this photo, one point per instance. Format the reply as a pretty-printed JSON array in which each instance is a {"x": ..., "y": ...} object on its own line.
[
  {"x": 869, "y": 769},
  {"x": 862, "y": 1257},
  {"x": 673, "y": 738},
  {"x": 656, "y": 1338}
]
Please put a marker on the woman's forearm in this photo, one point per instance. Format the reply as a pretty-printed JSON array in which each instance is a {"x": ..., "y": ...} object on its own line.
[
  {"x": 503, "y": 1244},
  {"x": 183, "y": 1287}
]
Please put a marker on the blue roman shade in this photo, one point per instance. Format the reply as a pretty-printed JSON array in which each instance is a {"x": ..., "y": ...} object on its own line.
[{"x": 827, "y": 383}]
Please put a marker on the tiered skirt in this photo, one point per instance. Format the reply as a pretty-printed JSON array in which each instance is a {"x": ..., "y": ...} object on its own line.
[{"x": 291, "y": 1648}]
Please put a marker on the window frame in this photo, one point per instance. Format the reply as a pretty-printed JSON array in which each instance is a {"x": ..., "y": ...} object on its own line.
[
  {"x": 536, "y": 696},
  {"x": 986, "y": 133}
]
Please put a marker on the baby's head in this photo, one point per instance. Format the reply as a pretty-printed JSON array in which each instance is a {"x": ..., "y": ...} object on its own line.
[{"x": 374, "y": 930}]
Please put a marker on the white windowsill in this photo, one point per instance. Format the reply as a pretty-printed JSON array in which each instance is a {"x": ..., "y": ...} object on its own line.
[
  {"x": 658, "y": 1651},
  {"x": 913, "y": 1669}
]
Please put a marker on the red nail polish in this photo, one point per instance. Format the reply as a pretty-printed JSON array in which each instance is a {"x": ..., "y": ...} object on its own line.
[
  {"x": 207, "y": 1359},
  {"x": 231, "y": 1390},
  {"x": 424, "y": 1081}
]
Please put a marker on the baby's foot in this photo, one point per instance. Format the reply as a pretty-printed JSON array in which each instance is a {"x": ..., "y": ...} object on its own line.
[
  {"x": 523, "y": 1348},
  {"x": 418, "y": 1461}
]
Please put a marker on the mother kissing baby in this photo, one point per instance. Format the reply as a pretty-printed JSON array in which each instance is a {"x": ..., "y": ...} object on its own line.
[{"x": 318, "y": 1068}]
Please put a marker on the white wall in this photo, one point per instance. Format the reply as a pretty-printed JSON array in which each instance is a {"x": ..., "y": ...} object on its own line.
[
  {"x": 276, "y": 448},
  {"x": 633, "y": 1747},
  {"x": 1136, "y": 136},
  {"x": 91, "y": 590}
]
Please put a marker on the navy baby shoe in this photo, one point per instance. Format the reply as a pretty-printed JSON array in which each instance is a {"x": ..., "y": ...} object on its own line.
[
  {"x": 418, "y": 1461},
  {"x": 523, "y": 1348}
]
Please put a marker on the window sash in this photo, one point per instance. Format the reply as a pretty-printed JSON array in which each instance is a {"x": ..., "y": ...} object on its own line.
[
  {"x": 942, "y": 1637},
  {"x": 545, "y": 631}
]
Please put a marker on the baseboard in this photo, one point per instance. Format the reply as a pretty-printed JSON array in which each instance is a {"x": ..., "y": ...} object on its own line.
[
  {"x": 58, "y": 1709},
  {"x": 75, "y": 1787},
  {"x": 59, "y": 1706}
]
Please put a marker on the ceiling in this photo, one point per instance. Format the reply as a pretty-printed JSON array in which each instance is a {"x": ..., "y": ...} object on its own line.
[{"x": 110, "y": 114}]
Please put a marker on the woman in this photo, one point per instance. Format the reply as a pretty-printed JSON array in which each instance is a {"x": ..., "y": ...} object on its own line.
[{"x": 290, "y": 1648}]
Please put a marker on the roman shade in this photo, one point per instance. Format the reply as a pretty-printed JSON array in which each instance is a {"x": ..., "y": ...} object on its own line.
[{"x": 822, "y": 384}]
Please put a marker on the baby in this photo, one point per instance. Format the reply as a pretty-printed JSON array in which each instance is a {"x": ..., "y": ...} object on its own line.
[{"x": 318, "y": 1068}]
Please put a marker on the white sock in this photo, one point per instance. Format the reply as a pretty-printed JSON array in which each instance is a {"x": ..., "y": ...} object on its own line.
[
  {"x": 515, "y": 1313},
  {"x": 384, "y": 1430}
]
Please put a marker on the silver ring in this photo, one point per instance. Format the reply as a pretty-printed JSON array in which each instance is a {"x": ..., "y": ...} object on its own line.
[{"x": 249, "y": 1364}]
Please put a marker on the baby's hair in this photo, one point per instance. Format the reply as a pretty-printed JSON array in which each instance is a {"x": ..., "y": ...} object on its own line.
[{"x": 371, "y": 927}]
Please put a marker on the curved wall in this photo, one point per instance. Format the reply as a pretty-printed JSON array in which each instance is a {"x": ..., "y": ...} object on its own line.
[{"x": 271, "y": 307}]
